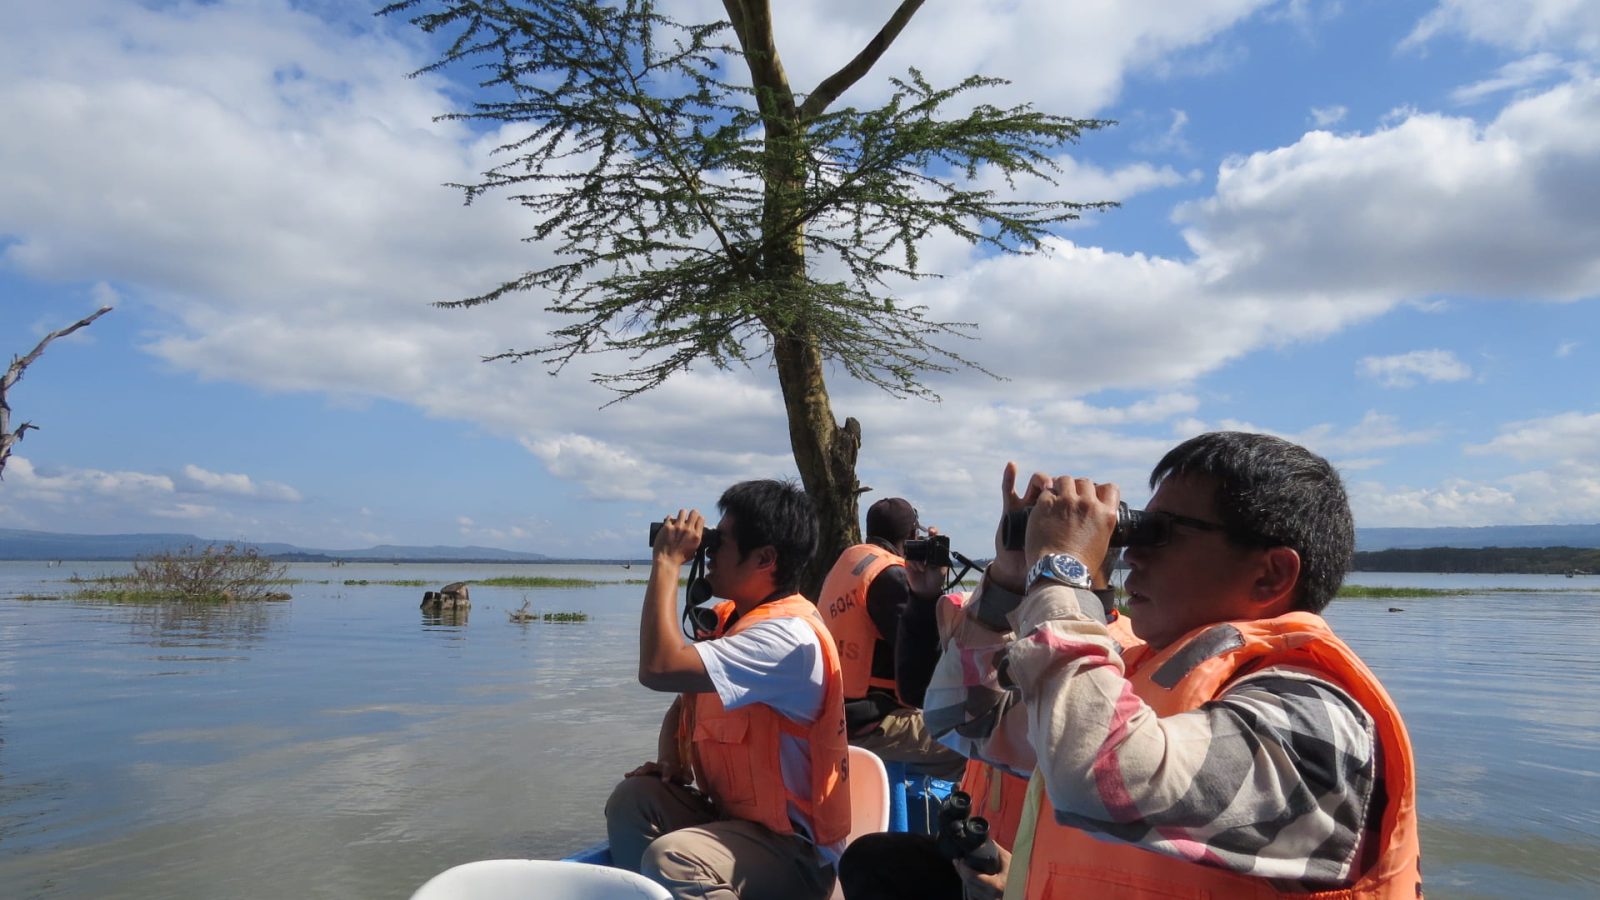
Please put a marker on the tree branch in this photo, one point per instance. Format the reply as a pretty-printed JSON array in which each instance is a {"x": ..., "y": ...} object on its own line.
[
  {"x": 9, "y": 438},
  {"x": 840, "y": 81},
  {"x": 752, "y": 22}
]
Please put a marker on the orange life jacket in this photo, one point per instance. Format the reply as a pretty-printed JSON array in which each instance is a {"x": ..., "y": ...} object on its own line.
[
  {"x": 844, "y": 608},
  {"x": 1121, "y": 628},
  {"x": 735, "y": 754},
  {"x": 1054, "y": 861},
  {"x": 997, "y": 795}
]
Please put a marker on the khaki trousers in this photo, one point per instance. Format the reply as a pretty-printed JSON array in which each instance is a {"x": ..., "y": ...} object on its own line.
[
  {"x": 671, "y": 834},
  {"x": 902, "y": 737}
]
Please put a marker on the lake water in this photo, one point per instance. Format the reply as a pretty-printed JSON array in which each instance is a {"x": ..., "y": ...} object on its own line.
[{"x": 342, "y": 745}]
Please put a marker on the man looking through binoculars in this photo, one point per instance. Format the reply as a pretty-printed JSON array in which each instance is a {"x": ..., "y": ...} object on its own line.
[
  {"x": 758, "y": 727},
  {"x": 1243, "y": 750}
]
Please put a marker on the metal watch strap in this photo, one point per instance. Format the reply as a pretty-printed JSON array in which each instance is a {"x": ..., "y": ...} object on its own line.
[{"x": 1048, "y": 567}]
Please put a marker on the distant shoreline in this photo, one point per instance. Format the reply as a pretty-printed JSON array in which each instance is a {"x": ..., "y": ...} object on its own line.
[{"x": 1481, "y": 560}]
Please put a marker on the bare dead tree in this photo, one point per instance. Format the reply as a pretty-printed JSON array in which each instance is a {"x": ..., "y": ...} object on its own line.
[{"x": 8, "y": 438}]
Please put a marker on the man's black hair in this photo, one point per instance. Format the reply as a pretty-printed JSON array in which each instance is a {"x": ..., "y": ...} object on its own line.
[
  {"x": 777, "y": 513},
  {"x": 1272, "y": 493}
]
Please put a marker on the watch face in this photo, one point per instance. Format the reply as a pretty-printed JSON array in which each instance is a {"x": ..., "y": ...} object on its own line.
[{"x": 1070, "y": 570}]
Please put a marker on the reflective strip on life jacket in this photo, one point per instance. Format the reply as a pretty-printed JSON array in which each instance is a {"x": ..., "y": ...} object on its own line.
[
  {"x": 1054, "y": 861},
  {"x": 843, "y": 606},
  {"x": 735, "y": 755}
]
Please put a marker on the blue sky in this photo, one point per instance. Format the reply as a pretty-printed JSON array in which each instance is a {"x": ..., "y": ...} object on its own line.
[{"x": 1373, "y": 227}]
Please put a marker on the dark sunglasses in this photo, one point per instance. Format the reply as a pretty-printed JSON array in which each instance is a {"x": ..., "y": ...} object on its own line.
[{"x": 1155, "y": 528}]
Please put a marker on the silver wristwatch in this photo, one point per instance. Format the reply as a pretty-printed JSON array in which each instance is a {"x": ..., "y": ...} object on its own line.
[{"x": 1062, "y": 567}]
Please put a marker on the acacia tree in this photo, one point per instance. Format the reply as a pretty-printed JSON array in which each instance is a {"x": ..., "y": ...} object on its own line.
[
  {"x": 19, "y": 364},
  {"x": 691, "y": 206}
]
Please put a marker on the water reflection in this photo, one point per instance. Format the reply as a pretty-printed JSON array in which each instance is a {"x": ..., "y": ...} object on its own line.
[
  {"x": 240, "y": 626},
  {"x": 449, "y": 618}
]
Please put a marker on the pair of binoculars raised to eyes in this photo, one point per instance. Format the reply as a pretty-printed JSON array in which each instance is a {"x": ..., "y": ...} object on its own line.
[
  {"x": 710, "y": 539},
  {"x": 1135, "y": 528}
]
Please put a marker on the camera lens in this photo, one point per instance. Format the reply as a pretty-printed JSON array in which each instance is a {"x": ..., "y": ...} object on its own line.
[{"x": 933, "y": 552}]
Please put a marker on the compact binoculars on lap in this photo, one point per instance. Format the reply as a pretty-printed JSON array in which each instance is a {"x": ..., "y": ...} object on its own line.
[{"x": 963, "y": 836}]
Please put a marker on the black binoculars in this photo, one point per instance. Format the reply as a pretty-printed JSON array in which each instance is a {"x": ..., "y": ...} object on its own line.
[
  {"x": 934, "y": 552},
  {"x": 1135, "y": 528},
  {"x": 964, "y": 836},
  {"x": 710, "y": 539}
]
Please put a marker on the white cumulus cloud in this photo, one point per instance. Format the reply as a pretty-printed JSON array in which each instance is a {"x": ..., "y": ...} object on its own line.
[
  {"x": 1407, "y": 369},
  {"x": 238, "y": 485},
  {"x": 1431, "y": 205},
  {"x": 1512, "y": 76},
  {"x": 1325, "y": 116},
  {"x": 1514, "y": 24},
  {"x": 60, "y": 484},
  {"x": 1573, "y": 436}
]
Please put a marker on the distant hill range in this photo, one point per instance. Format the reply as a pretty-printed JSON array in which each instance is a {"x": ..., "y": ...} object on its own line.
[
  {"x": 17, "y": 544},
  {"x": 1488, "y": 536}
]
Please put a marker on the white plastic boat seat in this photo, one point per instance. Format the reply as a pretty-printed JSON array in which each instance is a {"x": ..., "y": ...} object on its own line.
[
  {"x": 536, "y": 879},
  {"x": 869, "y": 794},
  {"x": 869, "y": 799}
]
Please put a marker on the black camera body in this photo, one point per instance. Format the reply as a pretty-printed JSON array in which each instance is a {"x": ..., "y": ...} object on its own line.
[
  {"x": 1131, "y": 530},
  {"x": 933, "y": 552},
  {"x": 710, "y": 539},
  {"x": 963, "y": 836}
]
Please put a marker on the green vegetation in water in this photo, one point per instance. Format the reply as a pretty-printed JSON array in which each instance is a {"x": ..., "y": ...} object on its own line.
[
  {"x": 537, "y": 581},
  {"x": 1361, "y": 591},
  {"x": 401, "y": 582},
  {"x": 566, "y": 617},
  {"x": 526, "y": 614}
]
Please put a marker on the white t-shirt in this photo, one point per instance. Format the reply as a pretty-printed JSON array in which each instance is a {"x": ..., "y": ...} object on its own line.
[{"x": 779, "y": 663}]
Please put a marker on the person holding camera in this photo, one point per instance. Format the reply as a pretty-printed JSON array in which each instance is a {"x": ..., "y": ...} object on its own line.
[
  {"x": 1243, "y": 750},
  {"x": 747, "y": 796},
  {"x": 865, "y": 595}
]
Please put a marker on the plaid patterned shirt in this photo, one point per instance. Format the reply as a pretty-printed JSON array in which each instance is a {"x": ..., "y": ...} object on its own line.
[{"x": 1274, "y": 779}]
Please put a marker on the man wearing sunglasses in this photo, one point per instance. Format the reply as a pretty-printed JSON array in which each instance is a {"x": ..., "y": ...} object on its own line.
[{"x": 1243, "y": 750}]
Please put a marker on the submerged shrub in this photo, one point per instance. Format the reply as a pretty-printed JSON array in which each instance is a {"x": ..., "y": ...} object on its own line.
[{"x": 212, "y": 573}]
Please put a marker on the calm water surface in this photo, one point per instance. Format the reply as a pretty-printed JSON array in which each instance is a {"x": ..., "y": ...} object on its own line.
[{"x": 342, "y": 745}]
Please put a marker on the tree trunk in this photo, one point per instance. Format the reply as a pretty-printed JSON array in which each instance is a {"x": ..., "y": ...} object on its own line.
[{"x": 825, "y": 453}]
